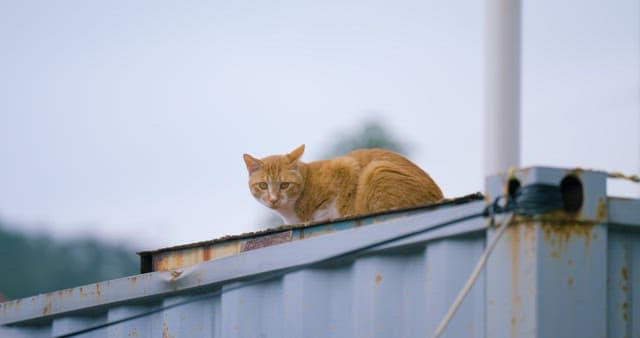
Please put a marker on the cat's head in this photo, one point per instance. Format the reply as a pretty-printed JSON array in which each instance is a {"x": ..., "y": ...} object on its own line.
[{"x": 276, "y": 181}]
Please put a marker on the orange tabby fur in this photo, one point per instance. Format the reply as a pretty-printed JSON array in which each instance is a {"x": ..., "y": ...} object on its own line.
[{"x": 363, "y": 181}]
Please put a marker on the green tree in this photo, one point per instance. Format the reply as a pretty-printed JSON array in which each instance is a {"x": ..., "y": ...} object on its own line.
[
  {"x": 33, "y": 264},
  {"x": 370, "y": 134}
]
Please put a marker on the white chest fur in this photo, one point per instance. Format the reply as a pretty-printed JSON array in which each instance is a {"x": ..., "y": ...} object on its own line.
[
  {"x": 288, "y": 215},
  {"x": 330, "y": 211}
]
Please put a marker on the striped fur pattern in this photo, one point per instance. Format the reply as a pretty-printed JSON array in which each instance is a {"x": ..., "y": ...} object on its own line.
[{"x": 360, "y": 182}]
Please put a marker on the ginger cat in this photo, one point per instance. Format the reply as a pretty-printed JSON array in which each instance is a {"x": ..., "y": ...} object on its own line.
[{"x": 360, "y": 182}]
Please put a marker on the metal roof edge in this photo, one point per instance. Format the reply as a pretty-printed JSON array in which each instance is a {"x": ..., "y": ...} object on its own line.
[
  {"x": 623, "y": 211},
  {"x": 250, "y": 235},
  {"x": 205, "y": 277}
]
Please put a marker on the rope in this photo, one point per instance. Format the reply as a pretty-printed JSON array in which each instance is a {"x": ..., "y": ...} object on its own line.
[
  {"x": 632, "y": 178},
  {"x": 472, "y": 278}
]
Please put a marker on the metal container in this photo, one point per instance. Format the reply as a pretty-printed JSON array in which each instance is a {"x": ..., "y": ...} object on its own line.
[{"x": 571, "y": 273}]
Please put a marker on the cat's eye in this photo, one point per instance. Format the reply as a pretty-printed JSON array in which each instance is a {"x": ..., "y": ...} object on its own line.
[
  {"x": 284, "y": 185},
  {"x": 263, "y": 185}
]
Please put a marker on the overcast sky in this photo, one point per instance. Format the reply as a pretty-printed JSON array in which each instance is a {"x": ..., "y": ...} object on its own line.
[{"x": 128, "y": 119}]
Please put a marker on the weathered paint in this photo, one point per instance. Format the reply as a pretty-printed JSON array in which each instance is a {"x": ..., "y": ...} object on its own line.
[
  {"x": 191, "y": 254},
  {"x": 549, "y": 276},
  {"x": 594, "y": 206}
]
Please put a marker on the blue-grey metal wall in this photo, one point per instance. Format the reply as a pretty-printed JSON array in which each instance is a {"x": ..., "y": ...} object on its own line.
[{"x": 552, "y": 276}]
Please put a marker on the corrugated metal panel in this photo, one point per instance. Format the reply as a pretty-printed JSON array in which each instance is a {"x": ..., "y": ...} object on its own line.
[
  {"x": 399, "y": 282},
  {"x": 549, "y": 276},
  {"x": 623, "y": 271}
]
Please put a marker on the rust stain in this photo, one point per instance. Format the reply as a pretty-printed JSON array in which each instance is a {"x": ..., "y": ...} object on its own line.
[
  {"x": 133, "y": 281},
  {"x": 48, "y": 305},
  {"x": 558, "y": 236},
  {"x": 165, "y": 331},
  {"x": 83, "y": 292},
  {"x": 378, "y": 279},
  {"x": 206, "y": 255},
  {"x": 602, "y": 209},
  {"x": 514, "y": 247},
  {"x": 10, "y": 304},
  {"x": 160, "y": 265},
  {"x": 529, "y": 240},
  {"x": 571, "y": 282},
  {"x": 133, "y": 333},
  {"x": 578, "y": 170},
  {"x": 179, "y": 258},
  {"x": 625, "y": 311},
  {"x": 625, "y": 273},
  {"x": 98, "y": 292}
]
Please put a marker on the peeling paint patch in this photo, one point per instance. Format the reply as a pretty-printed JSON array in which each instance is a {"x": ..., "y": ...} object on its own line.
[
  {"x": 266, "y": 241},
  {"x": 47, "y": 308}
]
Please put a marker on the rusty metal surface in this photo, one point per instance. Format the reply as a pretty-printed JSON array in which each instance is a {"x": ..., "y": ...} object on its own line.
[
  {"x": 550, "y": 276},
  {"x": 190, "y": 254},
  {"x": 565, "y": 273},
  {"x": 594, "y": 204}
]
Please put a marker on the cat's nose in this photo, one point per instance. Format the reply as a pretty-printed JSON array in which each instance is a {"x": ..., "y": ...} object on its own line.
[{"x": 273, "y": 199}]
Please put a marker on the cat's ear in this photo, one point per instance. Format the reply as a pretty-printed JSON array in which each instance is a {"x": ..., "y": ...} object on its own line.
[
  {"x": 296, "y": 154},
  {"x": 253, "y": 164}
]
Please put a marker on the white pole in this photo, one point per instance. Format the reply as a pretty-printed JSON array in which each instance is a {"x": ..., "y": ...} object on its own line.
[{"x": 502, "y": 86}]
